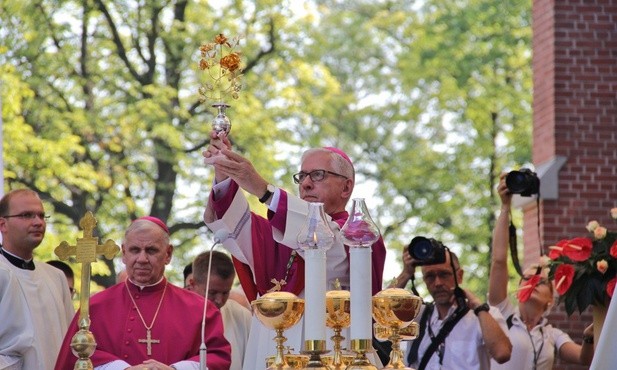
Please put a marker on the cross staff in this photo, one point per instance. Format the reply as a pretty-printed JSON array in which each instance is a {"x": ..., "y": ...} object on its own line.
[{"x": 85, "y": 252}]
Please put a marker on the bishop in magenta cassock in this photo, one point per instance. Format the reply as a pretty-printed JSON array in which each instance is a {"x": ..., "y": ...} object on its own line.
[
  {"x": 265, "y": 250},
  {"x": 148, "y": 318}
]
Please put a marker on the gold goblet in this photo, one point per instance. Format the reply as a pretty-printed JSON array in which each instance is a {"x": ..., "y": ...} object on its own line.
[
  {"x": 407, "y": 333},
  {"x": 337, "y": 318},
  {"x": 294, "y": 361},
  {"x": 395, "y": 309},
  {"x": 279, "y": 311}
]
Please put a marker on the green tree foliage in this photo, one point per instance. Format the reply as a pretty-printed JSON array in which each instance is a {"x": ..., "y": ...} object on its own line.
[{"x": 431, "y": 99}]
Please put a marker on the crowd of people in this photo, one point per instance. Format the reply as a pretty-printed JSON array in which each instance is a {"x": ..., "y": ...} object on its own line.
[{"x": 146, "y": 322}]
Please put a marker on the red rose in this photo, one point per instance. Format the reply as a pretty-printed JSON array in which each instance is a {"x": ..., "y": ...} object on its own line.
[
  {"x": 525, "y": 290},
  {"x": 564, "y": 275},
  {"x": 613, "y": 250},
  {"x": 578, "y": 249},
  {"x": 610, "y": 286}
]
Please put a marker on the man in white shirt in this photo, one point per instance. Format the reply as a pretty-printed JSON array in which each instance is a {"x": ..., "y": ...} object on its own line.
[
  {"x": 236, "y": 318},
  {"x": 477, "y": 336},
  {"x": 49, "y": 307}
]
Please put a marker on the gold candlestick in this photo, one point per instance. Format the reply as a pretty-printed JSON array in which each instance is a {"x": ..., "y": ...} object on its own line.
[
  {"x": 85, "y": 251},
  {"x": 279, "y": 311},
  {"x": 315, "y": 348},
  {"x": 361, "y": 347}
]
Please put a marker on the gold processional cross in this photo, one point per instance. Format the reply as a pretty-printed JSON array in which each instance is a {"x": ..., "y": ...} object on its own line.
[{"x": 85, "y": 252}]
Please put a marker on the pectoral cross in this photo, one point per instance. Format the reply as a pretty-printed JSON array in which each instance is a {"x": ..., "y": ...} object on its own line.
[
  {"x": 85, "y": 252},
  {"x": 278, "y": 285},
  {"x": 149, "y": 341}
]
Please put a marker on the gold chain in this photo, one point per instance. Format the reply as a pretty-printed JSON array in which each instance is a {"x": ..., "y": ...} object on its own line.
[{"x": 137, "y": 308}]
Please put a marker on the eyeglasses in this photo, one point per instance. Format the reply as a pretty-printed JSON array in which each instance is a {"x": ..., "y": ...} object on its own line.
[
  {"x": 442, "y": 275},
  {"x": 316, "y": 175},
  {"x": 29, "y": 216}
]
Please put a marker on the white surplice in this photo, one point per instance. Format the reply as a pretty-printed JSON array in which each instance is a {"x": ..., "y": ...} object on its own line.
[
  {"x": 49, "y": 310},
  {"x": 16, "y": 332}
]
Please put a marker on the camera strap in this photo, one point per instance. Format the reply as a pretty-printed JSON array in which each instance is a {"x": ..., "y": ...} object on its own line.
[
  {"x": 413, "y": 352},
  {"x": 445, "y": 330},
  {"x": 514, "y": 247}
]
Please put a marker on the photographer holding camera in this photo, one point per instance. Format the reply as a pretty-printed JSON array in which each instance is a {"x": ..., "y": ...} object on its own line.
[
  {"x": 457, "y": 331},
  {"x": 534, "y": 341}
]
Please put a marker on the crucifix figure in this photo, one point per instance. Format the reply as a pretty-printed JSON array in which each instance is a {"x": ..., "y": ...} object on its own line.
[
  {"x": 85, "y": 251},
  {"x": 149, "y": 341}
]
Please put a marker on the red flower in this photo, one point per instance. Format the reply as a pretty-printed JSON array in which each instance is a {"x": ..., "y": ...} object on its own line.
[
  {"x": 578, "y": 249},
  {"x": 613, "y": 250},
  {"x": 525, "y": 290},
  {"x": 564, "y": 275},
  {"x": 610, "y": 286},
  {"x": 557, "y": 250}
]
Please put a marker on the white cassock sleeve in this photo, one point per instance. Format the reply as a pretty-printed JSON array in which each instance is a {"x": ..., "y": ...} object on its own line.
[
  {"x": 237, "y": 223},
  {"x": 16, "y": 331}
]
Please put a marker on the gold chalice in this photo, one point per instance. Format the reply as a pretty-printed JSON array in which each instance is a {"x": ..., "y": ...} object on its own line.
[
  {"x": 337, "y": 318},
  {"x": 279, "y": 311},
  {"x": 407, "y": 333},
  {"x": 395, "y": 309},
  {"x": 345, "y": 359},
  {"x": 294, "y": 361}
]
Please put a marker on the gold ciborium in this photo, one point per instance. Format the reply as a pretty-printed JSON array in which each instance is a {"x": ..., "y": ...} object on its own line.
[
  {"x": 407, "y": 333},
  {"x": 337, "y": 318},
  {"x": 395, "y": 309},
  {"x": 279, "y": 311}
]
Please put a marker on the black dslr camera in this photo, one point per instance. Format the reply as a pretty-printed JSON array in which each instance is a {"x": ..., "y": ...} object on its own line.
[
  {"x": 427, "y": 251},
  {"x": 523, "y": 182}
]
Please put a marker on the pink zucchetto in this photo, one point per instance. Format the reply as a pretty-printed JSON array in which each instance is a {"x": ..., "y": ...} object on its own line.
[
  {"x": 339, "y": 152},
  {"x": 156, "y": 221}
]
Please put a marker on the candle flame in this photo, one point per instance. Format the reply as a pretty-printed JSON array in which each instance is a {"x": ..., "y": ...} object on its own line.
[{"x": 337, "y": 284}]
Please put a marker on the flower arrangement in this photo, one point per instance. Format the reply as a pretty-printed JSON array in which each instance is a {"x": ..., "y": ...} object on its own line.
[
  {"x": 224, "y": 68},
  {"x": 584, "y": 268}
]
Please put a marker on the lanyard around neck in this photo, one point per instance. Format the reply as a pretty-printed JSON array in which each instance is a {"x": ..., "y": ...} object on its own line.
[{"x": 536, "y": 355}]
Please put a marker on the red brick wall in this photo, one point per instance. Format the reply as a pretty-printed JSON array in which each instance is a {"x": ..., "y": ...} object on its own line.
[{"x": 575, "y": 116}]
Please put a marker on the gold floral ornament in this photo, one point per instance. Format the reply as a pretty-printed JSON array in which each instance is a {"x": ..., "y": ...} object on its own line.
[{"x": 224, "y": 68}]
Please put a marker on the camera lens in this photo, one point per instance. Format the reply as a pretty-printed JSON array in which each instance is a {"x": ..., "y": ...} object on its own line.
[
  {"x": 422, "y": 249},
  {"x": 523, "y": 182},
  {"x": 426, "y": 251},
  {"x": 516, "y": 181}
]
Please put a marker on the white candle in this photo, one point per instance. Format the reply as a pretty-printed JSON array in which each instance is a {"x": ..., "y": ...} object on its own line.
[
  {"x": 361, "y": 297},
  {"x": 315, "y": 294}
]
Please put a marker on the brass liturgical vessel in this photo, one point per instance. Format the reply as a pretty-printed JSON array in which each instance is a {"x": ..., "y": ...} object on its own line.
[
  {"x": 85, "y": 251},
  {"x": 279, "y": 311},
  {"x": 395, "y": 309},
  {"x": 337, "y": 318}
]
